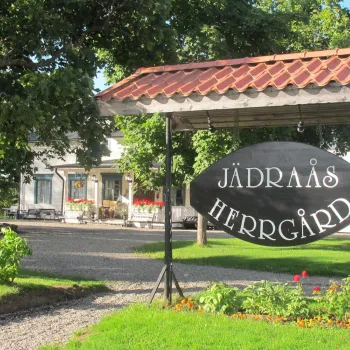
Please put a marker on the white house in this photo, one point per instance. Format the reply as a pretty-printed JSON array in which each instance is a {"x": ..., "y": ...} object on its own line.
[{"x": 53, "y": 187}]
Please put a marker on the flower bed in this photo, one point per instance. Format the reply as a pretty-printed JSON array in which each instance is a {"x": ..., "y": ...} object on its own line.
[
  {"x": 79, "y": 204},
  {"x": 277, "y": 302},
  {"x": 147, "y": 206}
]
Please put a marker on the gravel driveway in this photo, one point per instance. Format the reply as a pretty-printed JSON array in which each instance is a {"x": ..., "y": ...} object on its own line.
[{"x": 104, "y": 253}]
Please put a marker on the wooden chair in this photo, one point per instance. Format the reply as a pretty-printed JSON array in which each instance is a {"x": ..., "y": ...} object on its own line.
[
  {"x": 112, "y": 207},
  {"x": 104, "y": 210}
]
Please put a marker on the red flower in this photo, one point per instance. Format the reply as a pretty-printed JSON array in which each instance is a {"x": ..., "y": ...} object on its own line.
[
  {"x": 317, "y": 289},
  {"x": 142, "y": 202},
  {"x": 296, "y": 278},
  {"x": 304, "y": 274}
]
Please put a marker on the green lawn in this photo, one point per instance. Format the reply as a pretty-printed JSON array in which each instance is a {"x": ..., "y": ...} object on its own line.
[
  {"x": 327, "y": 257},
  {"x": 29, "y": 280},
  {"x": 139, "y": 327}
]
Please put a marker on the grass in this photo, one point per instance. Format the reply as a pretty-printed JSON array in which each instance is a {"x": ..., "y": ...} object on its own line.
[
  {"x": 327, "y": 257},
  {"x": 139, "y": 327},
  {"x": 29, "y": 281}
]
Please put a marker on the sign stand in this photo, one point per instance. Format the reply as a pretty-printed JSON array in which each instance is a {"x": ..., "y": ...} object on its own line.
[{"x": 167, "y": 270}]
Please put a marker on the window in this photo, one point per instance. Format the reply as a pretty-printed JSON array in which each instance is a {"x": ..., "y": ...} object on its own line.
[
  {"x": 43, "y": 189},
  {"x": 111, "y": 186},
  {"x": 77, "y": 186},
  {"x": 109, "y": 144},
  {"x": 178, "y": 196},
  {"x": 112, "y": 190}
]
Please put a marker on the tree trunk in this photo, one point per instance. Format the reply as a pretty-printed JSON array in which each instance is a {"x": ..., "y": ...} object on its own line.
[{"x": 202, "y": 230}]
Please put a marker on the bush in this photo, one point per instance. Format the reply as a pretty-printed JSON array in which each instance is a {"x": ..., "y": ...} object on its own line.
[
  {"x": 335, "y": 302},
  {"x": 12, "y": 249},
  {"x": 275, "y": 299},
  {"x": 219, "y": 298}
]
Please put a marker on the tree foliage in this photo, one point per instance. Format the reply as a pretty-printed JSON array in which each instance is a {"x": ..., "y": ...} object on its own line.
[
  {"x": 214, "y": 29},
  {"x": 48, "y": 57},
  {"x": 315, "y": 24},
  {"x": 145, "y": 154},
  {"x": 50, "y": 51}
]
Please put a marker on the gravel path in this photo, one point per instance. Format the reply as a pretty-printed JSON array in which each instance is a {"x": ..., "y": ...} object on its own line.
[{"x": 105, "y": 253}]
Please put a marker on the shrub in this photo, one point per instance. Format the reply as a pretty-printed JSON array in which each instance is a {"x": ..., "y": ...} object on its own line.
[
  {"x": 12, "y": 249},
  {"x": 275, "y": 299},
  {"x": 219, "y": 298},
  {"x": 335, "y": 302}
]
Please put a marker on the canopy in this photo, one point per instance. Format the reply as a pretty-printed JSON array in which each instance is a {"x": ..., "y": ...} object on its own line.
[{"x": 266, "y": 91}]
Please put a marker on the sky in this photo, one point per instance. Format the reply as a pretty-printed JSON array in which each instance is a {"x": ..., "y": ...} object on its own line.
[{"x": 100, "y": 80}]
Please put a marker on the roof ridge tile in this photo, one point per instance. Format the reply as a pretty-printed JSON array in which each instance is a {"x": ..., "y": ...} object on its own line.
[{"x": 247, "y": 60}]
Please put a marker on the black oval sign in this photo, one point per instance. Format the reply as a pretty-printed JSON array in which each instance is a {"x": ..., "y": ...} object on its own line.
[{"x": 276, "y": 194}]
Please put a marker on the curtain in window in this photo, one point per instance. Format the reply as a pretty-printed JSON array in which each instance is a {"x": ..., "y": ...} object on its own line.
[{"x": 44, "y": 191}]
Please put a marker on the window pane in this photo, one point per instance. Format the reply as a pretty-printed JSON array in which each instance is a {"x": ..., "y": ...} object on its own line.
[
  {"x": 43, "y": 191},
  {"x": 112, "y": 190}
]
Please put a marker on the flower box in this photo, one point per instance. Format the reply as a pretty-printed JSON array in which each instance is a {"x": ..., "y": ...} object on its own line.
[
  {"x": 78, "y": 209},
  {"x": 147, "y": 206}
]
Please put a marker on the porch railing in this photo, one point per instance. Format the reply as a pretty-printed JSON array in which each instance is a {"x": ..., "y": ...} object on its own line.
[{"x": 178, "y": 213}]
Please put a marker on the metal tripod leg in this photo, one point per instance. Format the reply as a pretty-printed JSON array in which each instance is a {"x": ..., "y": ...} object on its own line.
[{"x": 156, "y": 286}]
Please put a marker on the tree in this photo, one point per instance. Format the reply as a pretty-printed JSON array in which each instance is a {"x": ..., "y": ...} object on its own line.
[
  {"x": 8, "y": 194},
  {"x": 316, "y": 24},
  {"x": 216, "y": 29},
  {"x": 48, "y": 57}
]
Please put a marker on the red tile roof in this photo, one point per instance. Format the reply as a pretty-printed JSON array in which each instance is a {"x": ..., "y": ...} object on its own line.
[{"x": 278, "y": 71}]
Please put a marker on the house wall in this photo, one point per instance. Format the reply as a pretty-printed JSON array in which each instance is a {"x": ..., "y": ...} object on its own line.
[
  {"x": 115, "y": 147},
  {"x": 28, "y": 190}
]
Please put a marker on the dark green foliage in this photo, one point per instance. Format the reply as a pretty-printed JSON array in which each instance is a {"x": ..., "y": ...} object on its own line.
[
  {"x": 275, "y": 299},
  {"x": 8, "y": 195},
  {"x": 48, "y": 58},
  {"x": 12, "y": 249}
]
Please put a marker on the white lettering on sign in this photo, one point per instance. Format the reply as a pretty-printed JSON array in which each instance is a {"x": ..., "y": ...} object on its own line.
[
  {"x": 331, "y": 176},
  {"x": 264, "y": 229},
  {"x": 282, "y": 234},
  {"x": 294, "y": 177},
  {"x": 336, "y": 212},
  {"x": 244, "y": 229},
  {"x": 272, "y": 177}
]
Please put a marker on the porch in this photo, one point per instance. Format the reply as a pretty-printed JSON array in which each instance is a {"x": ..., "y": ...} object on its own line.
[{"x": 103, "y": 193}]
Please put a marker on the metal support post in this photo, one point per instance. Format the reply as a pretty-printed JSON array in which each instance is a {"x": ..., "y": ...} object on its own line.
[
  {"x": 168, "y": 224},
  {"x": 167, "y": 270}
]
